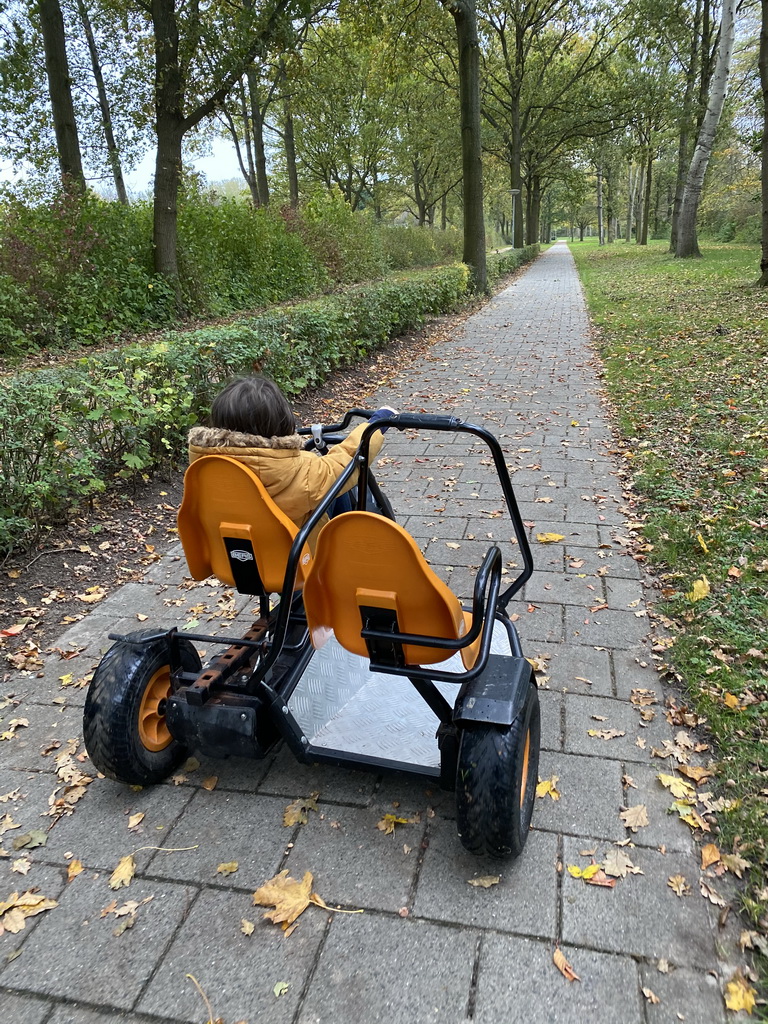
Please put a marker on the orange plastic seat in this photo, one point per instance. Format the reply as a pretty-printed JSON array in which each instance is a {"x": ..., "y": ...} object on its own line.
[
  {"x": 364, "y": 561},
  {"x": 227, "y": 520}
]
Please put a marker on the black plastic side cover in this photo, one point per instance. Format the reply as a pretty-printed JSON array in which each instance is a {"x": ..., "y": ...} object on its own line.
[{"x": 497, "y": 696}]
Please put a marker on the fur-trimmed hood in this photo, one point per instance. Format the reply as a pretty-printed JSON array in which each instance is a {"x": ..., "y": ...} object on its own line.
[{"x": 218, "y": 437}]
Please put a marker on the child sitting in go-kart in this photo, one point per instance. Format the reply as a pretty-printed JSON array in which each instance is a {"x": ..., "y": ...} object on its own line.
[{"x": 251, "y": 421}]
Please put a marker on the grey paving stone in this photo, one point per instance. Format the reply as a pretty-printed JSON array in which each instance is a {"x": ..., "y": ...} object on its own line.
[
  {"x": 684, "y": 994},
  {"x": 624, "y": 594},
  {"x": 76, "y": 955},
  {"x": 663, "y": 829},
  {"x": 518, "y": 981},
  {"x": 220, "y": 827},
  {"x": 578, "y": 534},
  {"x": 244, "y": 774},
  {"x": 443, "y": 892},
  {"x": 575, "y": 669},
  {"x": 635, "y": 668},
  {"x": 641, "y": 916},
  {"x": 551, "y": 704},
  {"x": 606, "y": 628},
  {"x": 47, "y": 725},
  {"x": 565, "y": 588},
  {"x": 579, "y": 719},
  {"x": 289, "y": 778},
  {"x": 611, "y": 563},
  {"x": 544, "y": 622},
  {"x": 64, "y": 1014},
  {"x": 591, "y": 797},
  {"x": 365, "y": 973},
  {"x": 353, "y": 862},
  {"x": 22, "y": 1009},
  {"x": 237, "y": 972},
  {"x": 50, "y": 883}
]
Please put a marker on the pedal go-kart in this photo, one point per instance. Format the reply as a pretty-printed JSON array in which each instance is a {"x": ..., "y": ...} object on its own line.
[{"x": 367, "y": 660}]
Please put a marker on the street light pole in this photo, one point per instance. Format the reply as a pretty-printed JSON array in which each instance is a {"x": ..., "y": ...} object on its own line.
[{"x": 514, "y": 192}]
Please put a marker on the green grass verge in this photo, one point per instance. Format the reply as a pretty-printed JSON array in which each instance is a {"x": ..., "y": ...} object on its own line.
[{"x": 685, "y": 348}]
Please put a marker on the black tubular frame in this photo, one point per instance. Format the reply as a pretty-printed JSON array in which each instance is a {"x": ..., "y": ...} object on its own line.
[{"x": 489, "y": 602}]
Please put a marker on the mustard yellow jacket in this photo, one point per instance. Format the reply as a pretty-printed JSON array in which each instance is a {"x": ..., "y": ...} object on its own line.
[{"x": 296, "y": 480}]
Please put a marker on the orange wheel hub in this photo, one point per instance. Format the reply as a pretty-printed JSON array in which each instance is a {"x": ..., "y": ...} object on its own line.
[
  {"x": 153, "y": 732},
  {"x": 526, "y": 755}
]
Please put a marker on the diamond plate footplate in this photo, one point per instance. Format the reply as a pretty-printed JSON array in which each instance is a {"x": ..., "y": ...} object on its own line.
[{"x": 341, "y": 705}]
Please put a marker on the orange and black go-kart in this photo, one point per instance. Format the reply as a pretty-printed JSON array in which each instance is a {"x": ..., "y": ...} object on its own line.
[{"x": 360, "y": 656}]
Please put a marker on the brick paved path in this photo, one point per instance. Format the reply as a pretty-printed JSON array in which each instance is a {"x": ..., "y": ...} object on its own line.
[{"x": 523, "y": 368}]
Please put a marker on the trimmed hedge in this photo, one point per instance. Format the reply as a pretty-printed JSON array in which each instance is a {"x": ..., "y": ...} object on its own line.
[{"x": 65, "y": 433}]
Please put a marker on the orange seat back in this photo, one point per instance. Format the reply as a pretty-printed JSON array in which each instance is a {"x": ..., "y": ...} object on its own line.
[
  {"x": 226, "y": 503},
  {"x": 364, "y": 561}
]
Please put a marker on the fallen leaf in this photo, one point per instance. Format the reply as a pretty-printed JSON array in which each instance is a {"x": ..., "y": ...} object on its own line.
[
  {"x": 711, "y": 894},
  {"x": 452, "y": 545},
  {"x": 635, "y": 817},
  {"x": 289, "y": 897},
  {"x": 210, "y": 783},
  {"x": 227, "y": 869},
  {"x": 679, "y": 789},
  {"x": 548, "y": 787},
  {"x": 30, "y": 840},
  {"x": 734, "y": 863},
  {"x": 21, "y": 866},
  {"x": 739, "y": 995},
  {"x": 123, "y": 873},
  {"x": 92, "y": 595},
  {"x": 135, "y": 819},
  {"x": 699, "y": 775},
  {"x": 690, "y": 815},
  {"x": 549, "y": 538},
  {"x": 280, "y": 989},
  {"x": 16, "y": 909},
  {"x": 73, "y": 869},
  {"x": 297, "y": 812},
  {"x": 618, "y": 864},
  {"x": 563, "y": 966},
  {"x": 14, "y": 794},
  {"x": 578, "y": 872},
  {"x": 709, "y": 855},
  {"x": 388, "y": 822},
  {"x": 651, "y": 996},
  {"x": 663, "y": 966},
  {"x": 247, "y": 927},
  {"x": 678, "y": 885},
  {"x": 731, "y": 700},
  {"x": 606, "y": 734},
  {"x": 600, "y": 878},
  {"x": 699, "y": 590},
  {"x": 485, "y": 881}
]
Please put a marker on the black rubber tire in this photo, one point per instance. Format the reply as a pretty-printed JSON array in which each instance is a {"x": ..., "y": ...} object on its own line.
[
  {"x": 489, "y": 780},
  {"x": 111, "y": 714}
]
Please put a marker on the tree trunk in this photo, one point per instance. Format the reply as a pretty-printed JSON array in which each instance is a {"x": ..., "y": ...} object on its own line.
[
  {"x": 600, "y": 233},
  {"x": 444, "y": 202},
  {"x": 534, "y": 212},
  {"x": 60, "y": 92},
  {"x": 685, "y": 120},
  {"x": 468, "y": 43},
  {"x": 687, "y": 242},
  {"x": 290, "y": 152},
  {"x": 257, "y": 127},
  {"x": 630, "y": 202},
  {"x": 113, "y": 153},
  {"x": 639, "y": 193},
  {"x": 763, "y": 62},
  {"x": 647, "y": 198},
  {"x": 170, "y": 132}
]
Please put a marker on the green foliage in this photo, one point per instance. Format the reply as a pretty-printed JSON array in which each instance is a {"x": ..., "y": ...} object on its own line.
[
  {"x": 65, "y": 433},
  {"x": 500, "y": 263},
  {"x": 686, "y": 365},
  {"x": 407, "y": 246}
]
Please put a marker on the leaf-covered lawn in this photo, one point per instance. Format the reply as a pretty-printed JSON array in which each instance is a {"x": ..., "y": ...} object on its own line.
[{"x": 685, "y": 346}]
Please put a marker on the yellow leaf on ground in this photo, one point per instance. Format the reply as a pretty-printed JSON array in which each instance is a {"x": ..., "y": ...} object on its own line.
[
  {"x": 210, "y": 783},
  {"x": 247, "y": 927},
  {"x": 227, "y": 869},
  {"x": 699, "y": 775},
  {"x": 678, "y": 885},
  {"x": 703, "y": 544},
  {"x": 699, "y": 590},
  {"x": 548, "y": 787},
  {"x": 563, "y": 966},
  {"x": 297, "y": 812},
  {"x": 135, "y": 819},
  {"x": 123, "y": 873},
  {"x": 709, "y": 855},
  {"x": 635, "y": 817},
  {"x": 651, "y": 996},
  {"x": 739, "y": 995},
  {"x": 485, "y": 881},
  {"x": 549, "y": 538},
  {"x": 730, "y": 700},
  {"x": 587, "y": 872},
  {"x": 679, "y": 789},
  {"x": 92, "y": 595},
  {"x": 690, "y": 815},
  {"x": 289, "y": 897},
  {"x": 605, "y": 734},
  {"x": 73, "y": 869},
  {"x": 21, "y": 866},
  {"x": 388, "y": 822},
  {"x": 734, "y": 863}
]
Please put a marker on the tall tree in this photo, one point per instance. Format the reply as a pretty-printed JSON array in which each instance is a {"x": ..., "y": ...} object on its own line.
[
  {"x": 763, "y": 61},
  {"x": 60, "y": 91},
  {"x": 687, "y": 241},
  {"x": 468, "y": 45}
]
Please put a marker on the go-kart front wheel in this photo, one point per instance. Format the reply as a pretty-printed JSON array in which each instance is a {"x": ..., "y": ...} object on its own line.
[
  {"x": 496, "y": 781},
  {"x": 124, "y": 725}
]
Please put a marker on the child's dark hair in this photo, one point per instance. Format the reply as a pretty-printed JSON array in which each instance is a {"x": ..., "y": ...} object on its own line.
[{"x": 253, "y": 405}]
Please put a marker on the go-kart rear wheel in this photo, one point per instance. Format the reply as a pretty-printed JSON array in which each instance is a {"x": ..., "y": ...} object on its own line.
[
  {"x": 496, "y": 782},
  {"x": 124, "y": 726}
]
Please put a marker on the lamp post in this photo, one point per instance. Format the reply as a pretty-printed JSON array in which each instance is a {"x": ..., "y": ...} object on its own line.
[{"x": 515, "y": 192}]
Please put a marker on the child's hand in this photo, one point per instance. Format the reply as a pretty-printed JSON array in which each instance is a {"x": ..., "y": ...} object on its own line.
[{"x": 381, "y": 414}]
